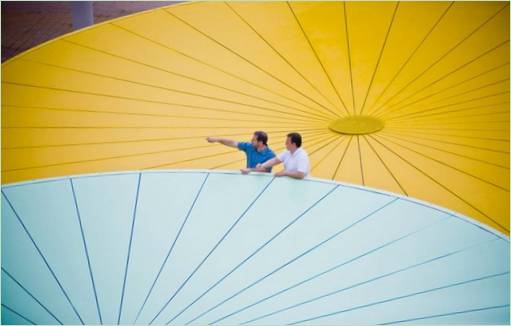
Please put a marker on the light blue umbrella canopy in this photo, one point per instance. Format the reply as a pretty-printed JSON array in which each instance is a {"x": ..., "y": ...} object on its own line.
[{"x": 200, "y": 247}]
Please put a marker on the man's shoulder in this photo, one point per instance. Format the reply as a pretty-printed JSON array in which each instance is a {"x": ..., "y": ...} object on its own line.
[
  {"x": 284, "y": 155},
  {"x": 303, "y": 154},
  {"x": 244, "y": 146}
]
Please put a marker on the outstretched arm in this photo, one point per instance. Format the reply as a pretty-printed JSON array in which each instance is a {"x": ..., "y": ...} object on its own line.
[{"x": 223, "y": 141}]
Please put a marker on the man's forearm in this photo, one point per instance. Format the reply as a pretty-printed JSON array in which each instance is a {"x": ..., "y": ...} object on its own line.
[
  {"x": 268, "y": 164},
  {"x": 223, "y": 141},
  {"x": 295, "y": 174},
  {"x": 260, "y": 168},
  {"x": 228, "y": 142}
]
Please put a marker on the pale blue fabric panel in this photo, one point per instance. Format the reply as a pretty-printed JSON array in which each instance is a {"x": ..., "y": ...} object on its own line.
[
  {"x": 322, "y": 232},
  {"x": 21, "y": 259},
  {"x": 432, "y": 242},
  {"x": 282, "y": 203},
  {"x": 465, "y": 266},
  {"x": 106, "y": 205},
  {"x": 215, "y": 247},
  {"x": 12, "y": 317},
  {"x": 484, "y": 316},
  {"x": 164, "y": 202},
  {"x": 49, "y": 213},
  {"x": 24, "y": 302},
  {"x": 223, "y": 200}
]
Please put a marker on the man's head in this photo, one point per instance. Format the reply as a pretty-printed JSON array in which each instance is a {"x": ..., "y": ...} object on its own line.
[
  {"x": 293, "y": 141},
  {"x": 259, "y": 139}
]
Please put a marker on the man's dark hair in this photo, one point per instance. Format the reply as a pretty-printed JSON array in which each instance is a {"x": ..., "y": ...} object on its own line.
[
  {"x": 261, "y": 136},
  {"x": 295, "y": 138}
]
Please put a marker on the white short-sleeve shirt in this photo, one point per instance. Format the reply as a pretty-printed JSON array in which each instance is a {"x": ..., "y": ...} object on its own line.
[{"x": 298, "y": 161}]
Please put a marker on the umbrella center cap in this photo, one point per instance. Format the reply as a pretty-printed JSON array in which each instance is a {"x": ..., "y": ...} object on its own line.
[{"x": 356, "y": 125}]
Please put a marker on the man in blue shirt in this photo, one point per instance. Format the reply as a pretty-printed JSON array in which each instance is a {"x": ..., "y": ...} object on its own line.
[{"x": 257, "y": 150}]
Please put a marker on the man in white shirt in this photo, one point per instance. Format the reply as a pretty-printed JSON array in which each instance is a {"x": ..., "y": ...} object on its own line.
[{"x": 295, "y": 159}]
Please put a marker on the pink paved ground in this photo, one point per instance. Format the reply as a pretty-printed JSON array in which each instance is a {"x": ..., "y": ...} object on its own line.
[{"x": 26, "y": 24}]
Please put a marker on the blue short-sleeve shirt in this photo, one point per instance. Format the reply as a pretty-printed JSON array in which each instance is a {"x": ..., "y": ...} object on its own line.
[{"x": 255, "y": 157}]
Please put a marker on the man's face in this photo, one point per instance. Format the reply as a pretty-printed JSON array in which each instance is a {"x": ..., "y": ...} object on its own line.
[
  {"x": 254, "y": 141},
  {"x": 289, "y": 145}
]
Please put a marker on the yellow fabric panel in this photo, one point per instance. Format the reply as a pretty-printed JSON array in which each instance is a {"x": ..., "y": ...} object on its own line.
[
  {"x": 235, "y": 36},
  {"x": 377, "y": 173},
  {"x": 325, "y": 161},
  {"x": 473, "y": 192},
  {"x": 458, "y": 24},
  {"x": 367, "y": 21},
  {"x": 410, "y": 28},
  {"x": 144, "y": 91},
  {"x": 325, "y": 28},
  {"x": 351, "y": 167}
]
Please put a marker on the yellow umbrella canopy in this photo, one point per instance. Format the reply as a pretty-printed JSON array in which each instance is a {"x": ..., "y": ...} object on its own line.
[{"x": 408, "y": 97}]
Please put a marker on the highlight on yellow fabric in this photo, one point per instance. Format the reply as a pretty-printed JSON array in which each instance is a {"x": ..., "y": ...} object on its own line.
[{"x": 143, "y": 92}]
